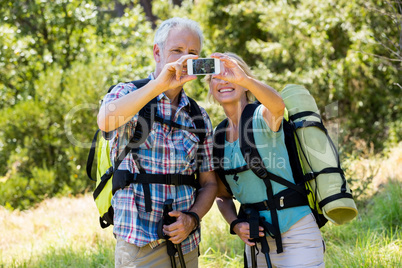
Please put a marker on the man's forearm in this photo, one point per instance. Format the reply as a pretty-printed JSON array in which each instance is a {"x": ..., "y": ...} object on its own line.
[
  {"x": 206, "y": 195},
  {"x": 118, "y": 112}
]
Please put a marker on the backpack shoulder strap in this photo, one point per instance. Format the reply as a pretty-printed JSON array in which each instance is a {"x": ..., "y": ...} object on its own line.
[
  {"x": 254, "y": 162},
  {"x": 146, "y": 117},
  {"x": 196, "y": 115},
  {"x": 293, "y": 152},
  {"x": 219, "y": 152},
  {"x": 250, "y": 152},
  {"x": 200, "y": 130},
  {"x": 137, "y": 83},
  {"x": 91, "y": 155}
]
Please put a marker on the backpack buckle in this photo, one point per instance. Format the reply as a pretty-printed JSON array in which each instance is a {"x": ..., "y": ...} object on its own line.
[
  {"x": 109, "y": 171},
  {"x": 309, "y": 176},
  {"x": 137, "y": 135},
  {"x": 173, "y": 179},
  {"x": 299, "y": 124},
  {"x": 281, "y": 202},
  {"x": 265, "y": 202},
  {"x": 262, "y": 173},
  {"x": 147, "y": 111}
]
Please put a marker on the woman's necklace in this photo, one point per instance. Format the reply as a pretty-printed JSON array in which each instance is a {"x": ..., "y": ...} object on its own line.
[
  {"x": 232, "y": 145},
  {"x": 233, "y": 158},
  {"x": 233, "y": 140}
]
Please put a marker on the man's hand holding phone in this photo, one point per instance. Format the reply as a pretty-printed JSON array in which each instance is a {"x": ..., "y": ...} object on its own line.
[{"x": 174, "y": 74}]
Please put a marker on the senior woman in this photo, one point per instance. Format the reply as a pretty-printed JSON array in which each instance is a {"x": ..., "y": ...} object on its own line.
[{"x": 300, "y": 243}]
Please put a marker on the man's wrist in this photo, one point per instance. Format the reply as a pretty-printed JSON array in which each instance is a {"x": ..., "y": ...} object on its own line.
[{"x": 195, "y": 217}]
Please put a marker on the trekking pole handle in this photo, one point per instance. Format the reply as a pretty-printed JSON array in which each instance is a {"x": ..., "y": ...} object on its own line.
[{"x": 168, "y": 207}]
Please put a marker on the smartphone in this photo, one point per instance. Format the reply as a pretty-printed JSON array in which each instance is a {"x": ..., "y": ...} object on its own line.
[{"x": 203, "y": 66}]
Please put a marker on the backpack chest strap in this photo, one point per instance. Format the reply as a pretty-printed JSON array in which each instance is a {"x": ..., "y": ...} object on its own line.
[
  {"x": 123, "y": 178},
  {"x": 235, "y": 170},
  {"x": 168, "y": 179},
  {"x": 287, "y": 198}
]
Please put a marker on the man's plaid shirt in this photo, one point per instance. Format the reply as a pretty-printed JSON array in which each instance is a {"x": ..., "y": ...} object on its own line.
[{"x": 166, "y": 151}]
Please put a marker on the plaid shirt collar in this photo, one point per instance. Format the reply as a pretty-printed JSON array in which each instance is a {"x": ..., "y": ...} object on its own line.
[{"x": 183, "y": 103}]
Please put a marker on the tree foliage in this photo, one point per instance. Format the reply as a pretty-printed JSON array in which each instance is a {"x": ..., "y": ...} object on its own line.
[
  {"x": 328, "y": 46},
  {"x": 57, "y": 66},
  {"x": 57, "y": 58}
]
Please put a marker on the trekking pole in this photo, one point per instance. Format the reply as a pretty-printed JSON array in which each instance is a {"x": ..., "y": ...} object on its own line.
[
  {"x": 250, "y": 220},
  {"x": 167, "y": 220},
  {"x": 253, "y": 257},
  {"x": 264, "y": 246},
  {"x": 171, "y": 248},
  {"x": 181, "y": 258},
  {"x": 265, "y": 250}
]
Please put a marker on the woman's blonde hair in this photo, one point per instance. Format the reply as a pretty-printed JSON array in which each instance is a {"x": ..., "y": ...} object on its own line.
[{"x": 250, "y": 97}]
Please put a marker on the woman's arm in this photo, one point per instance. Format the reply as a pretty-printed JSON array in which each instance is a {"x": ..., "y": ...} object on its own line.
[
  {"x": 226, "y": 206},
  {"x": 274, "y": 106}
]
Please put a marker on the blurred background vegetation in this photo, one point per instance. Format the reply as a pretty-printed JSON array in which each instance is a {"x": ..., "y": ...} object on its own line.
[{"x": 58, "y": 58}]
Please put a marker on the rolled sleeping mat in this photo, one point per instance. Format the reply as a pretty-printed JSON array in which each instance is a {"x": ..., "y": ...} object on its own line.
[{"x": 319, "y": 155}]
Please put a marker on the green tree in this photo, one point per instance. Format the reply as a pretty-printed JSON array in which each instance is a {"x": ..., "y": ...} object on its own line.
[
  {"x": 328, "y": 46},
  {"x": 38, "y": 34},
  {"x": 48, "y": 122}
]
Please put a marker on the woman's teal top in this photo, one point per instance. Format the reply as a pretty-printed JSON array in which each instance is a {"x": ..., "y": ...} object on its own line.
[{"x": 248, "y": 188}]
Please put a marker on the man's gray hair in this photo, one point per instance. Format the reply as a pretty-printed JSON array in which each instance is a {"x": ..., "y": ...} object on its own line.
[{"x": 162, "y": 33}]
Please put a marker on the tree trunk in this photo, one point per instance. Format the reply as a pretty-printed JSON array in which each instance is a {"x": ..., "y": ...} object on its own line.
[
  {"x": 147, "y": 5},
  {"x": 119, "y": 9},
  {"x": 177, "y": 2}
]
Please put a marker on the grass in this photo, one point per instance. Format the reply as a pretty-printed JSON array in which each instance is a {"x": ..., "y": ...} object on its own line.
[
  {"x": 60, "y": 232},
  {"x": 218, "y": 247},
  {"x": 65, "y": 232},
  {"x": 374, "y": 239}
]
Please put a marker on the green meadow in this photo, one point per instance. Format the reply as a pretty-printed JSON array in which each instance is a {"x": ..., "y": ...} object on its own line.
[{"x": 64, "y": 232}]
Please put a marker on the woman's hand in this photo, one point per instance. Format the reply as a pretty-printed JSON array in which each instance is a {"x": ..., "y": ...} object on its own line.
[
  {"x": 242, "y": 229},
  {"x": 230, "y": 69}
]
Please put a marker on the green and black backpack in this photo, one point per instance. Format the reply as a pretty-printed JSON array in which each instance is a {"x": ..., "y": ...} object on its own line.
[
  {"x": 319, "y": 179},
  {"x": 298, "y": 194},
  {"x": 109, "y": 179}
]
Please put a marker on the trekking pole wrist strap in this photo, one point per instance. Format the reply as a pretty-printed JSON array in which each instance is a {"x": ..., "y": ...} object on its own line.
[{"x": 233, "y": 224}]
